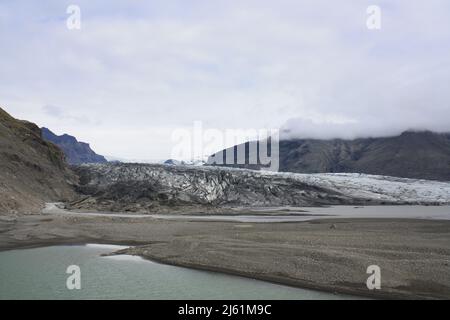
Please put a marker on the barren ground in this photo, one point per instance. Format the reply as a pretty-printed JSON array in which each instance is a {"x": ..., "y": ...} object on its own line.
[{"x": 328, "y": 254}]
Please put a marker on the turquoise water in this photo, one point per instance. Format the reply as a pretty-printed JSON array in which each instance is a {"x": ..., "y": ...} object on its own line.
[{"x": 40, "y": 273}]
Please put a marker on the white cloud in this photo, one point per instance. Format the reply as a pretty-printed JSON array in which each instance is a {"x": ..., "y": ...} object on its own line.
[{"x": 135, "y": 71}]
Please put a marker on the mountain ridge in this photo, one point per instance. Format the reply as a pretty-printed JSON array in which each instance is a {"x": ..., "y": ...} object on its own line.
[
  {"x": 76, "y": 152},
  {"x": 412, "y": 154}
]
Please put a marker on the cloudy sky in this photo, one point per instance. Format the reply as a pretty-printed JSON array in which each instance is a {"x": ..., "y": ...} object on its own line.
[{"x": 138, "y": 70}]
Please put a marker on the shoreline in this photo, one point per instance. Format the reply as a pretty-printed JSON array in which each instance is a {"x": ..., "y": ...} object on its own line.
[
  {"x": 271, "y": 279},
  {"x": 192, "y": 267},
  {"x": 280, "y": 281},
  {"x": 306, "y": 255},
  {"x": 274, "y": 280}
]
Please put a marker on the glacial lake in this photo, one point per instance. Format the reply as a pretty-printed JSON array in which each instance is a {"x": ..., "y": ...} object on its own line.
[{"x": 40, "y": 273}]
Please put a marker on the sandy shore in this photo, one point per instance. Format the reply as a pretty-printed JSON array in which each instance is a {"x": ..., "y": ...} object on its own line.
[{"x": 329, "y": 254}]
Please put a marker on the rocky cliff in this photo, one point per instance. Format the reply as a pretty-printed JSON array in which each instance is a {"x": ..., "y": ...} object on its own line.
[{"x": 32, "y": 171}]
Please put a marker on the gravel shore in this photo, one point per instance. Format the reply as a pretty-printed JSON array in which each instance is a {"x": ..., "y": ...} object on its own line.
[{"x": 328, "y": 254}]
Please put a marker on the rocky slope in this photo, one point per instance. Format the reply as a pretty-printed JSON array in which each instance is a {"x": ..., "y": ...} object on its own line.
[
  {"x": 162, "y": 188},
  {"x": 76, "y": 152},
  {"x": 32, "y": 171},
  {"x": 418, "y": 155}
]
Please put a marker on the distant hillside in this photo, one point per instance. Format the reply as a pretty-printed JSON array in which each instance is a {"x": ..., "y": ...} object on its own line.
[
  {"x": 76, "y": 152},
  {"x": 32, "y": 171},
  {"x": 420, "y": 155}
]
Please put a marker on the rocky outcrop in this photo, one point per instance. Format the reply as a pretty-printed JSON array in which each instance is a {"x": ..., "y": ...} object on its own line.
[
  {"x": 416, "y": 155},
  {"x": 76, "y": 152},
  {"x": 32, "y": 171}
]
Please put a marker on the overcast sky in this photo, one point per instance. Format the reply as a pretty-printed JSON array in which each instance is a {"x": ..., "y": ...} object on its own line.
[{"x": 138, "y": 70}]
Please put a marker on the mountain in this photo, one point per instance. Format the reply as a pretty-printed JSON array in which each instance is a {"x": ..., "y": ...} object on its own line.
[
  {"x": 418, "y": 155},
  {"x": 32, "y": 171},
  {"x": 76, "y": 152}
]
